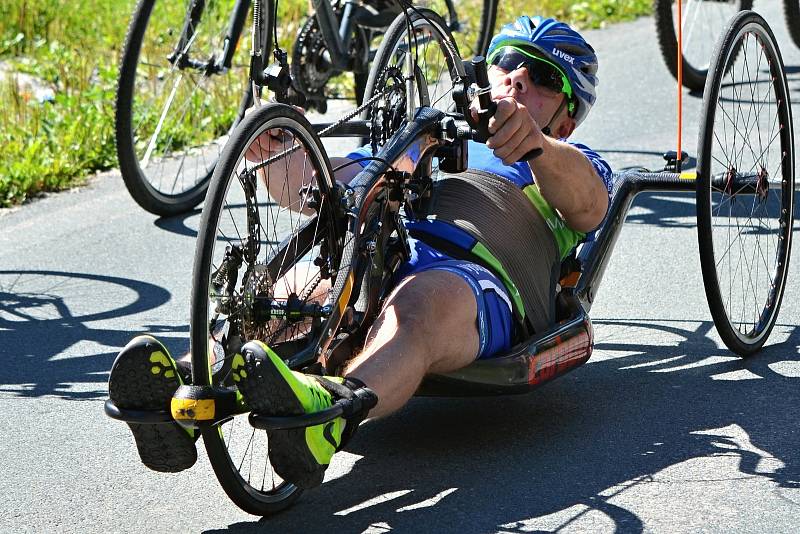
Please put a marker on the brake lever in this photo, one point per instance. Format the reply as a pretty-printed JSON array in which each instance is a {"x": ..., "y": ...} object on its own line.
[{"x": 487, "y": 108}]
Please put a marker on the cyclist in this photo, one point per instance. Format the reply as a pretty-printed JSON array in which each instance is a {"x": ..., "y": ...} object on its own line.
[{"x": 481, "y": 277}]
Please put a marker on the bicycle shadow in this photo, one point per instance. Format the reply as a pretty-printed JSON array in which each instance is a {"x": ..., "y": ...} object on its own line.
[
  {"x": 540, "y": 462},
  {"x": 178, "y": 224},
  {"x": 49, "y": 347}
]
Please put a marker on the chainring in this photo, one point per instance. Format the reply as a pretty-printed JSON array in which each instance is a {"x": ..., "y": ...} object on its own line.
[
  {"x": 311, "y": 65},
  {"x": 388, "y": 114}
]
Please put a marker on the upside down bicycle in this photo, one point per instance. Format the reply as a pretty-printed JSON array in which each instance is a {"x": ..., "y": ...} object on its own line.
[{"x": 305, "y": 270}]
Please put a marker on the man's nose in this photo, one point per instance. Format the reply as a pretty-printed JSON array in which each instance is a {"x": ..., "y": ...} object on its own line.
[{"x": 518, "y": 78}]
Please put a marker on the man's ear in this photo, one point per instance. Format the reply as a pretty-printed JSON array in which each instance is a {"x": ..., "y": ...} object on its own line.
[{"x": 565, "y": 127}]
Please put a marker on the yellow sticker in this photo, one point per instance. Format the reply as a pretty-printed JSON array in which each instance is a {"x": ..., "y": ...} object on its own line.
[
  {"x": 194, "y": 409},
  {"x": 688, "y": 175},
  {"x": 345, "y": 298}
]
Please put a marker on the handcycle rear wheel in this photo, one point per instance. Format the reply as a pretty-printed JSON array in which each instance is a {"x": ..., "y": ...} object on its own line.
[
  {"x": 703, "y": 22},
  {"x": 172, "y": 116},
  {"x": 267, "y": 254},
  {"x": 745, "y": 184}
]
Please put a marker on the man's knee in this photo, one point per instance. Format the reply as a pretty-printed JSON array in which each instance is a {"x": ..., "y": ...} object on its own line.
[{"x": 430, "y": 301}]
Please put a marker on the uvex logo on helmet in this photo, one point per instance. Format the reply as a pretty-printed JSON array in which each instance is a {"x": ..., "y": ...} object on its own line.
[{"x": 563, "y": 55}]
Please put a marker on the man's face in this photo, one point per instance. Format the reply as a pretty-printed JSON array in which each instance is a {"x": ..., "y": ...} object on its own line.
[{"x": 542, "y": 102}]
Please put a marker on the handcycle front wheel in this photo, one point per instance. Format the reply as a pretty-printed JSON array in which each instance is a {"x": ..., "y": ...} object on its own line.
[
  {"x": 266, "y": 260},
  {"x": 174, "y": 107},
  {"x": 703, "y": 23},
  {"x": 746, "y": 184}
]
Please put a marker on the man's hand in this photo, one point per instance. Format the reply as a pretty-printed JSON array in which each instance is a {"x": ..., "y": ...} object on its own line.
[
  {"x": 513, "y": 131},
  {"x": 268, "y": 144}
]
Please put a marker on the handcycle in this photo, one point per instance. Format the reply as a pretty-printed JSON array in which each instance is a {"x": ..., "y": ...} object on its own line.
[
  {"x": 703, "y": 23},
  {"x": 305, "y": 270},
  {"x": 183, "y": 83}
]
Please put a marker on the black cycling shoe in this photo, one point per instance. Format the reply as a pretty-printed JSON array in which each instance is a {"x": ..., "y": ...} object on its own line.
[{"x": 144, "y": 377}]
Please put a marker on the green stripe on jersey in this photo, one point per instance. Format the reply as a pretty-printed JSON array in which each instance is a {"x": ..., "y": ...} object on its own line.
[{"x": 565, "y": 237}]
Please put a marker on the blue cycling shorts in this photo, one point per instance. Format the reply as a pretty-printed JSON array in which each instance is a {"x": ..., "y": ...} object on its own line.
[{"x": 495, "y": 321}]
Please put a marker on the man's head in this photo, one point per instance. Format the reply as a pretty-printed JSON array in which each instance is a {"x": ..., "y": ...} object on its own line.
[{"x": 549, "y": 67}]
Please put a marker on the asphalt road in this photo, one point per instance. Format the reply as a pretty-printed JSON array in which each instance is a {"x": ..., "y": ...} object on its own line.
[{"x": 663, "y": 430}]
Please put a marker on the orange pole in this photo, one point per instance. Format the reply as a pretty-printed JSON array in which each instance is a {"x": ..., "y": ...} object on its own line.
[{"x": 680, "y": 80}]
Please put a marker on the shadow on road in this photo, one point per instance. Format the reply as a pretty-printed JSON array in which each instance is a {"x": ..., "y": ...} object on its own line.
[
  {"x": 543, "y": 461},
  {"x": 48, "y": 342},
  {"x": 177, "y": 223}
]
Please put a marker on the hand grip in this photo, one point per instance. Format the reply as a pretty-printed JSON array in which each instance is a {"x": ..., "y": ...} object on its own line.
[
  {"x": 531, "y": 154},
  {"x": 487, "y": 107}
]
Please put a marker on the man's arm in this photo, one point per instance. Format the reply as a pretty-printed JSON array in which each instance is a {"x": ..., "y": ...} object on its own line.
[
  {"x": 571, "y": 185},
  {"x": 564, "y": 175}
]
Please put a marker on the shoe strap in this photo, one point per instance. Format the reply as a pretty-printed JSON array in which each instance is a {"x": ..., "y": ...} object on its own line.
[{"x": 362, "y": 400}]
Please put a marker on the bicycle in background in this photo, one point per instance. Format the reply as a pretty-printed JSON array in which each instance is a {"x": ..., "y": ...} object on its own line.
[
  {"x": 184, "y": 80},
  {"x": 704, "y": 21}
]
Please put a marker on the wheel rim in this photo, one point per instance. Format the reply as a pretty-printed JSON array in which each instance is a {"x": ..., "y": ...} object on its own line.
[
  {"x": 181, "y": 116},
  {"x": 703, "y": 22},
  {"x": 246, "y": 451},
  {"x": 750, "y": 195},
  {"x": 274, "y": 275}
]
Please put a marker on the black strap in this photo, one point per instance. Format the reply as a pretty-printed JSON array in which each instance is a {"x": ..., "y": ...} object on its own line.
[{"x": 362, "y": 400}]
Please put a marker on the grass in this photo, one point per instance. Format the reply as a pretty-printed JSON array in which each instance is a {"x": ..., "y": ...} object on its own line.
[{"x": 73, "y": 46}]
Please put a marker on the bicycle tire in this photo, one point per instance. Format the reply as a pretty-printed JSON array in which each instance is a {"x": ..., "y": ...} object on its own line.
[
  {"x": 694, "y": 73},
  {"x": 791, "y": 9},
  {"x": 263, "y": 272},
  {"x": 744, "y": 182},
  {"x": 166, "y": 169},
  {"x": 389, "y": 67},
  {"x": 460, "y": 15}
]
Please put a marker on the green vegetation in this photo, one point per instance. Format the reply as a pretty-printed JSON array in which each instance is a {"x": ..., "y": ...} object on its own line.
[
  {"x": 73, "y": 46},
  {"x": 587, "y": 14}
]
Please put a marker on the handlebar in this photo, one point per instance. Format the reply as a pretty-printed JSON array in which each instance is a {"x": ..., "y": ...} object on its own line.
[{"x": 487, "y": 107}]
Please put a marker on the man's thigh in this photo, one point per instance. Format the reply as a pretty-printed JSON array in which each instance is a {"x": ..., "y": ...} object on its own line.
[{"x": 457, "y": 298}]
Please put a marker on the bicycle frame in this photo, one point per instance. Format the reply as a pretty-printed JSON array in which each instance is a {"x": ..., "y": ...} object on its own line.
[
  {"x": 336, "y": 34},
  {"x": 232, "y": 35}
]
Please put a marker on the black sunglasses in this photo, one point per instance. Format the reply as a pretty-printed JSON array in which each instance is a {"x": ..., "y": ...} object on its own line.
[{"x": 540, "y": 71}]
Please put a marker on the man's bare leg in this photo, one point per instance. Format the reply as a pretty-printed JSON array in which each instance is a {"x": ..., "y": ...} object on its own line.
[{"x": 428, "y": 325}]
